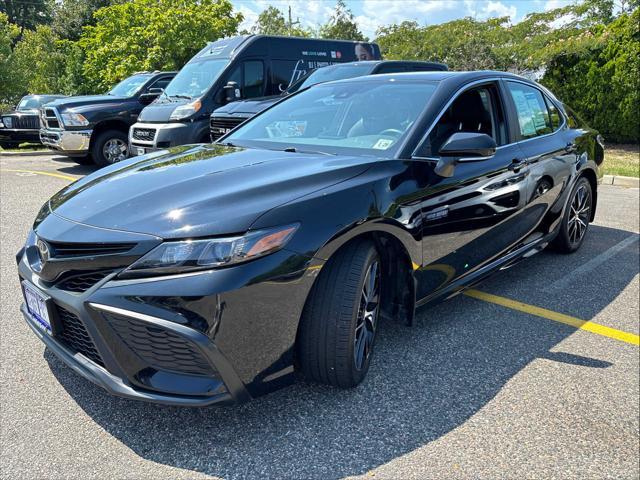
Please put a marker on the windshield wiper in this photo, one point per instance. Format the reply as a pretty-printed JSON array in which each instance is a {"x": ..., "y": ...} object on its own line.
[
  {"x": 180, "y": 96},
  {"x": 295, "y": 150}
]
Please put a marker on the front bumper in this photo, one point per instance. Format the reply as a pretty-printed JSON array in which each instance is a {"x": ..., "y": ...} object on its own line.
[
  {"x": 67, "y": 141},
  {"x": 14, "y": 135},
  {"x": 219, "y": 336},
  {"x": 159, "y": 136}
]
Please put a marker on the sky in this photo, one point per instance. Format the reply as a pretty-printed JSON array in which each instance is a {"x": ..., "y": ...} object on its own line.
[{"x": 372, "y": 13}]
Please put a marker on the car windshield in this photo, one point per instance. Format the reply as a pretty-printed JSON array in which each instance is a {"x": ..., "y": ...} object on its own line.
[
  {"x": 195, "y": 78},
  {"x": 364, "y": 117},
  {"x": 328, "y": 74},
  {"x": 129, "y": 86},
  {"x": 30, "y": 103}
]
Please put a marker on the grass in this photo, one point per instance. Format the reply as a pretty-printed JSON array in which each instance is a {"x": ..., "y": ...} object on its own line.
[{"x": 622, "y": 159}]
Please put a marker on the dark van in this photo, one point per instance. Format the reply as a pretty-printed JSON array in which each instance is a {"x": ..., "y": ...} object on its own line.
[
  {"x": 225, "y": 119},
  {"x": 230, "y": 69}
]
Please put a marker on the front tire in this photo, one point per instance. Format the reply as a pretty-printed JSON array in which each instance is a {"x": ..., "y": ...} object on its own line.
[
  {"x": 109, "y": 147},
  {"x": 577, "y": 215},
  {"x": 340, "y": 319}
]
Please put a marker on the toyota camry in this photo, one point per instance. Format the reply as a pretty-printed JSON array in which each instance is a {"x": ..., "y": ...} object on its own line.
[{"x": 215, "y": 273}]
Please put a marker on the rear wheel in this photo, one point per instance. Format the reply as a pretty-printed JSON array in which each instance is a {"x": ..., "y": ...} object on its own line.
[
  {"x": 577, "y": 216},
  {"x": 109, "y": 147},
  {"x": 8, "y": 145},
  {"x": 339, "y": 321}
]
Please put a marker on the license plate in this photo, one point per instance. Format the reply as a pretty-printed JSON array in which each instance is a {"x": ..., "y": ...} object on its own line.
[
  {"x": 37, "y": 305},
  {"x": 140, "y": 151}
]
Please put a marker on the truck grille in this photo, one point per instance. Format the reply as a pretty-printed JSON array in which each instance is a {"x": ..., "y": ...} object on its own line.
[
  {"x": 49, "y": 118},
  {"x": 26, "y": 122},
  {"x": 160, "y": 348},
  {"x": 223, "y": 125},
  {"x": 144, "y": 134},
  {"x": 75, "y": 336}
]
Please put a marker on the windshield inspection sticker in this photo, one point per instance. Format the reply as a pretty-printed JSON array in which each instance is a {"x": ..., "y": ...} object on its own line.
[{"x": 383, "y": 144}]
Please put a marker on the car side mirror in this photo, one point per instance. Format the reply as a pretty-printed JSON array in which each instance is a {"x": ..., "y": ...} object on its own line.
[
  {"x": 150, "y": 95},
  {"x": 464, "y": 147},
  {"x": 231, "y": 92}
]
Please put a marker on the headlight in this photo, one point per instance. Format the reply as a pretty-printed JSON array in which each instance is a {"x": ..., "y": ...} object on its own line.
[
  {"x": 74, "y": 120},
  {"x": 6, "y": 122},
  {"x": 190, "y": 255},
  {"x": 185, "y": 111}
]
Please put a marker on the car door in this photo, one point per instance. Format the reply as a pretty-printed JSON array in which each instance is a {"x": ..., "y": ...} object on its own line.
[
  {"x": 547, "y": 146},
  {"x": 479, "y": 212}
]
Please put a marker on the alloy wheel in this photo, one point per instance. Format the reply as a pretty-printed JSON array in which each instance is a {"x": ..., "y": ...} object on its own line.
[
  {"x": 114, "y": 150},
  {"x": 579, "y": 215},
  {"x": 367, "y": 320}
]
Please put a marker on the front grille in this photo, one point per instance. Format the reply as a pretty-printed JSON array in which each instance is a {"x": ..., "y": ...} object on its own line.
[
  {"x": 144, "y": 134},
  {"x": 160, "y": 348},
  {"x": 223, "y": 125},
  {"x": 49, "y": 118},
  {"x": 82, "y": 283},
  {"x": 26, "y": 122},
  {"x": 88, "y": 249},
  {"x": 75, "y": 336}
]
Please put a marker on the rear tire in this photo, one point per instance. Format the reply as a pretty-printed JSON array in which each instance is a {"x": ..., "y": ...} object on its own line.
[
  {"x": 338, "y": 325},
  {"x": 577, "y": 215},
  {"x": 109, "y": 147},
  {"x": 9, "y": 145}
]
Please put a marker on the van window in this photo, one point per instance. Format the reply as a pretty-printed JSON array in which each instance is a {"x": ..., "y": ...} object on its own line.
[
  {"x": 533, "y": 116},
  {"x": 282, "y": 73},
  {"x": 253, "y": 85}
]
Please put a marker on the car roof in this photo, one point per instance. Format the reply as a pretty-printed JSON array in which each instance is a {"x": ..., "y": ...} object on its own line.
[{"x": 439, "y": 76}]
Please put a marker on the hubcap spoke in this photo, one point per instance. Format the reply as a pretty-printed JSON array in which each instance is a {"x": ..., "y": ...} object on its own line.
[{"x": 367, "y": 316}]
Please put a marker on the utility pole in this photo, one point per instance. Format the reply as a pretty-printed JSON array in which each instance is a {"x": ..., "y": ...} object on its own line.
[{"x": 292, "y": 23}]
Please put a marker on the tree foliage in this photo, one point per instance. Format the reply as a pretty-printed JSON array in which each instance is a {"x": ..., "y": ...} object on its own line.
[
  {"x": 341, "y": 25},
  {"x": 27, "y": 14},
  {"x": 151, "y": 35},
  {"x": 271, "y": 21},
  {"x": 70, "y": 16}
]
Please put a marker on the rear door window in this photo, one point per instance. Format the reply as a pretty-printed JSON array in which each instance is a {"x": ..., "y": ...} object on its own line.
[{"x": 533, "y": 116}]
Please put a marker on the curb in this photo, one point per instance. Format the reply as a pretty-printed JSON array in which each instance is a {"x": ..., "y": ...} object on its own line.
[
  {"x": 26, "y": 154},
  {"x": 621, "y": 181}
]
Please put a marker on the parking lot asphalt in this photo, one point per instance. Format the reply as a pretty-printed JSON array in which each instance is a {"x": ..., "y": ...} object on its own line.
[{"x": 477, "y": 389}]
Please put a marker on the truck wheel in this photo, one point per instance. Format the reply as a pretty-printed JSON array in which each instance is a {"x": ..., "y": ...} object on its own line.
[
  {"x": 8, "y": 145},
  {"x": 109, "y": 147},
  {"x": 340, "y": 319}
]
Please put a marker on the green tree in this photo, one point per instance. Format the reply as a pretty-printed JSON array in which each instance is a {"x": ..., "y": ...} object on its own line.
[
  {"x": 151, "y": 35},
  {"x": 27, "y": 14},
  {"x": 341, "y": 25},
  {"x": 39, "y": 60},
  {"x": 271, "y": 21},
  {"x": 9, "y": 84},
  {"x": 69, "y": 16}
]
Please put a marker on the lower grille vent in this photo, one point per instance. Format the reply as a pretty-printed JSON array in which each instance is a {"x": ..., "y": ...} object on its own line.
[
  {"x": 75, "y": 336},
  {"x": 160, "y": 348},
  {"x": 82, "y": 283}
]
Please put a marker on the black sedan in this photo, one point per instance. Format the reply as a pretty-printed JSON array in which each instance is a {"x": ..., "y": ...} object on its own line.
[
  {"x": 215, "y": 273},
  {"x": 23, "y": 124}
]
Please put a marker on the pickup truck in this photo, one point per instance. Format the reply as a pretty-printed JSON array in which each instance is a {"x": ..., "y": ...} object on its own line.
[
  {"x": 94, "y": 128},
  {"x": 22, "y": 125}
]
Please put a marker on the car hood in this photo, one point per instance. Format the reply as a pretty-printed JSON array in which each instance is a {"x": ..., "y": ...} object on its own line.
[
  {"x": 199, "y": 191},
  {"x": 252, "y": 106},
  {"x": 161, "y": 111},
  {"x": 84, "y": 100}
]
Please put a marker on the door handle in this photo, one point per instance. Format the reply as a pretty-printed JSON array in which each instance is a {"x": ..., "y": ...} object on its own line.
[{"x": 517, "y": 164}]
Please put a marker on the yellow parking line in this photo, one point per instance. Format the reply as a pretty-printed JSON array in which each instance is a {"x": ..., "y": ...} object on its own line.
[
  {"x": 556, "y": 317},
  {"x": 40, "y": 172}
]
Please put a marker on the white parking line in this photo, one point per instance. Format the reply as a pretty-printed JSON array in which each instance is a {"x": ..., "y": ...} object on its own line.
[{"x": 591, "y": 264}]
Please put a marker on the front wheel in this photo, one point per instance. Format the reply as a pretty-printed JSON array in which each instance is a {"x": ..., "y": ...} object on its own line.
[
  {"x": 340, "y": 319},
  {"x": 577, "y": 216},
  {"x": 109, "y": 147}
]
